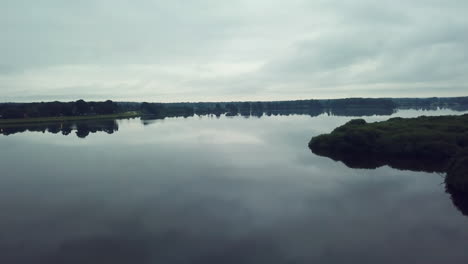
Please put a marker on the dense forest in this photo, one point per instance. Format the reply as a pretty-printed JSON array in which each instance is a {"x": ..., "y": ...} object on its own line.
[
  {"x": 455, "y": 103},
  {"x": 313, "y": 107},
  {"x": 53, "y": 109},
  {"x": 341, "y": 107}
]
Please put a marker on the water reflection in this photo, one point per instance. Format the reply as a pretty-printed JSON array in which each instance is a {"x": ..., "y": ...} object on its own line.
[
  {"x": 345, "y": 112},
  {"x": 82, "y": 128},
  {"x": 459, "y": 198},
  {"x": 209, "y": 190},
  {"x": 336, "y": 111},
  {"x": 375, "y": 161}
]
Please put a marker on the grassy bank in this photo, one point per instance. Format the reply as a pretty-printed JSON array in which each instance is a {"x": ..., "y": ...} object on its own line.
[
  {"x": 438, "y": 143},
  {"x": 66, "y": 118}
]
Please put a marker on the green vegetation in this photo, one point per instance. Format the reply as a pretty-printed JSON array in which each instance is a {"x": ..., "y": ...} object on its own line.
[
  {"x": 29, "y": 112},
  {"x": 57, "y": 109},
  {"x": 437, "y": 143}
]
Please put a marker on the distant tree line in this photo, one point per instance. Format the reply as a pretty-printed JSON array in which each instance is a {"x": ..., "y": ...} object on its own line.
[
  {"x": 342, "y": 107},
  {"x": 354, "y": 106},
  {"x": 359, "y": 106},
  {"x": 455, "y": 103},
  {"x": 55, "y": 109},
  {"x": 231, "y": 108},
  {"x": 359, "y": 103}
]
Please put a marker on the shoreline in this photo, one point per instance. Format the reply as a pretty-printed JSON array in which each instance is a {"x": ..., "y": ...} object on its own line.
[{"x": 36, "y": 120}]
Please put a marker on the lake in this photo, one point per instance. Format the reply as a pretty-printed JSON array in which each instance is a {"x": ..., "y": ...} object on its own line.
[{"x": 215, "y": 190}]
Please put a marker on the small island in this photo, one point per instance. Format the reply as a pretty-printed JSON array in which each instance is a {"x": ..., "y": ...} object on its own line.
[{"x": 433, "y": 144}]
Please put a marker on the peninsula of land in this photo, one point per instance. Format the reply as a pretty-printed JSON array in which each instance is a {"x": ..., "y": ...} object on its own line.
[{"x": 438, "y": 143}]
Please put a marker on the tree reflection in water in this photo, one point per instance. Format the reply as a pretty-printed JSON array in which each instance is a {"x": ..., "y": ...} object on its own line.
[
  {"x": 459, "y": 197},
  {"x": 82, "y": 128}
]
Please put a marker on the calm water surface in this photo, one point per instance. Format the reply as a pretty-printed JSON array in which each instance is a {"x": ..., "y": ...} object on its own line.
[{"x": 216, "y": 190}]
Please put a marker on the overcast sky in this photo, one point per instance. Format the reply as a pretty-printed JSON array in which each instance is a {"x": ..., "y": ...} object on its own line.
[{"x": 213, "y": 50}]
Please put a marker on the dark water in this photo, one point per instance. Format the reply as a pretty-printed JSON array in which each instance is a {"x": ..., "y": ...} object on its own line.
[{"x": 209, "y": 190}]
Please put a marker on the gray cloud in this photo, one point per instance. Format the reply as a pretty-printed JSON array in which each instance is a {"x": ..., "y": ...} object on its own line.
[{"x": 212, "y": 50}]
